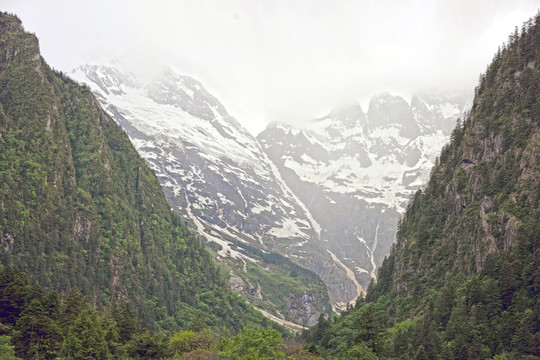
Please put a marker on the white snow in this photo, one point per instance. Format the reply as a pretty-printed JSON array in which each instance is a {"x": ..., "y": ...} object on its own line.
[
  {"x": 227, "y": 149},
  {"x": 449, "y": 111},
  {"x": 258, "y": 208},
  {"x": 389, "y": 133},
  {"x": 226, "y": 250},
  {"x": 346, "y": 174},
  {"x": 287, "y": 228},
  {"x": 224, "y": 150},
  {"x": 289, "y": 193},
  {"x": 371, "y": 251},
  {"x": 361, "y": 271}
]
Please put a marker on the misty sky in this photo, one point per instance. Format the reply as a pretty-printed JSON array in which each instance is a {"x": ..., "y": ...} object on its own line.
[{"x": 282, "y": 60}]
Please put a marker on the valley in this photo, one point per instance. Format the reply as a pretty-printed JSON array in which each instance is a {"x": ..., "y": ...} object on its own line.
[
  {"x": 326, "y": 196},
  {"x": 140, "y": 219}
]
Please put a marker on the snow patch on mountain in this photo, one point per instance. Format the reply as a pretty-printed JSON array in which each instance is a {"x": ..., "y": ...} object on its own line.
[
  {"x": 212, "y": 170},
  {"x": 356, "y": 171},
  {"x": 327, "y": 194}
]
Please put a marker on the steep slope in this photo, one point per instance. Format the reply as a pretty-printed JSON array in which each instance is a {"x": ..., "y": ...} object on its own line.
[
  {"x": 463, "y": 279},
  {"x": 355, "y": 172},
  {"x": 482, "y": 196},
  {"x": 215, "y": 174},
  {"x": 80, "y": 209}
]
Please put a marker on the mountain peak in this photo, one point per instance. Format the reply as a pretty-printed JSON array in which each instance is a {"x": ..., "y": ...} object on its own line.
[
  {"x": 386, "y": 97},
  {"x": 438, "y": 112},
  {"x": 9, "y": 22},
  {"x": 470, "y": 237},
  {"x": 390, "y": 110},
  {"x": 108, "y": 78},
  {"x": 350, "y": 114},
  {"x": 186, "y": 93},
  {"x": 215, "y": 174},
  {"x": 274, "y": 124}
]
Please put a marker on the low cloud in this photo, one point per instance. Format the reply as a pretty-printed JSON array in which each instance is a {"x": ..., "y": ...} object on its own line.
[{"x": 283, "y": 60}]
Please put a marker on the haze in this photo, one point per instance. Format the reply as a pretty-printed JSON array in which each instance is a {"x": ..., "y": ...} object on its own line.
[{"x": 283, "y": 60}]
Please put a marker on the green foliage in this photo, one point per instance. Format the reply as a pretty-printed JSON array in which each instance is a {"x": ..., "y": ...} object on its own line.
[
  {"x": 36, "y": 335},
  {"x": 462, "y": 281},
  {"x": 75, "y": 330},
  {"x": 79, "y": 209},
  {"x": 252, "y": 343},
  {"x": 361, "y": 352},
  {"x": 277, "y": 281},
  {"x": 85, "y": 338},
  {"x": 147, "y": 345},
  {"x": 183, "y": 341},
  {"x": 7, "y": 351}
]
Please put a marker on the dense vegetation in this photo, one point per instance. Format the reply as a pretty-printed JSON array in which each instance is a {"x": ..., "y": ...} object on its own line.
[
  {"x": 463, "y": 279},
  {"x": 79, "y": 209},
  {"x": 39, "y": 325}
]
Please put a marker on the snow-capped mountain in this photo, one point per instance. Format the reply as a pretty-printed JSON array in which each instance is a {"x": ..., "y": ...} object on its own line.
[
  {"x": 215, "y": 173},
  {"x": 327, "y": 195},
  {"x": 356, "y": 172},
  {"x": 211, "y": 168}
]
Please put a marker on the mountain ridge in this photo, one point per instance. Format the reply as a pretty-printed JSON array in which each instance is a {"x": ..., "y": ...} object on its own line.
[
  {"x": 80, "y": 209},
  {"x": 215, "y": 174},
  {"x": 179, "y": 162},
  {"x": 341, "y": 162},
  {"x": 462, "y": 280}
]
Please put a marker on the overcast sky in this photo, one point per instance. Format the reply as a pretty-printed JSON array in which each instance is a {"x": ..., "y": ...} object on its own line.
[{"x": 283, "y": 60}]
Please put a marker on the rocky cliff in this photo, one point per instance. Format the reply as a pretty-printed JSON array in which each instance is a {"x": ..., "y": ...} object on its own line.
[{"x": 356, "y": 171}]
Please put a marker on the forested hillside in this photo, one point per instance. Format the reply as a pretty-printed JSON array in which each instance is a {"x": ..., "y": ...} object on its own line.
[
  {"x": 79, "y": 209},
  {"x": 35, "y": 324},
  {"x": 463, "y": 279}
]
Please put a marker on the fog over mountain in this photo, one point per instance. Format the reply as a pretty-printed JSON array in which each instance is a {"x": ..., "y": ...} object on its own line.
[
  {"x": 280, "y": 60},
  {"x": 327, "y": 195},
  {"x": 360, "y": 97},
  {"x": 270, "y": 180}
]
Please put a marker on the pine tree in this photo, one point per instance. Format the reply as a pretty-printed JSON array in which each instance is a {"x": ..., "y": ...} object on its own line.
[
  {"x": 86, "y": 338},
  {"x": 198, "y": 323},
  {"x": 36, "y": 336},
  {"x": 369, "y": 330},
  {"x": 421, "y": 354},
  {"x": 51, "y": 304},
  {"x": 126, "y": 321},
  {"x": 320, "y": 333},
  {"x": 13, "y": 291},
  {"x": 7, "y": 351},
  {"x": 72, "y": 306}
]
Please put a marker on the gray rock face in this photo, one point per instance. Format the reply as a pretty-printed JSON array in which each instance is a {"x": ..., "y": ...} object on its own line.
[
  {"x": 210, "y": 166},
  {"x": 387, "y": 110},
  {"x": 355, "y": 172},
  {"x": 213, "y": 171},
  {"x": 432, "y": 111},
  {"x": 303, "y": 307}
]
